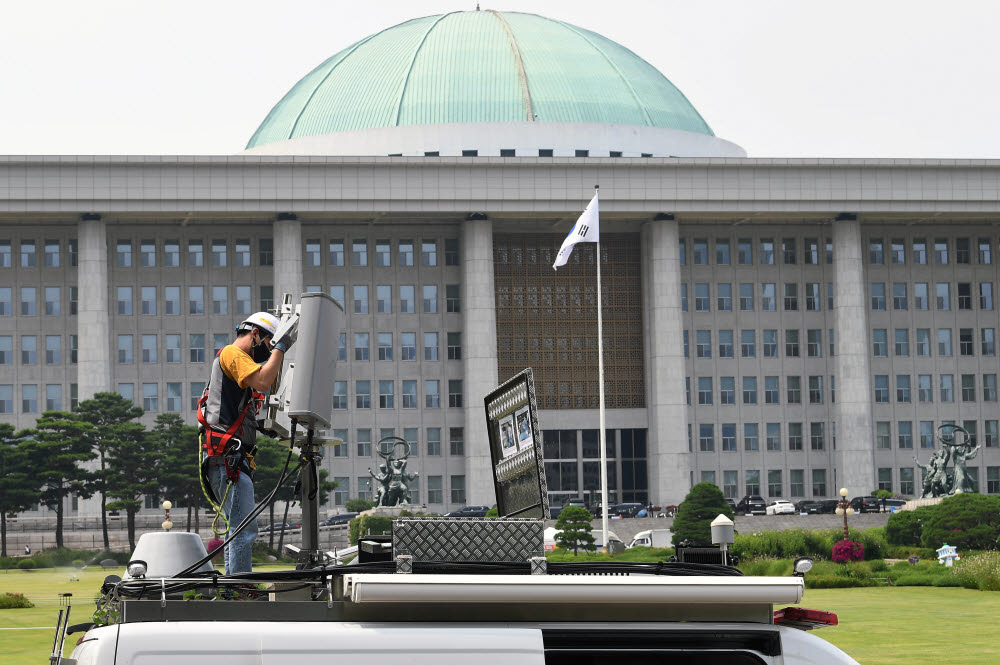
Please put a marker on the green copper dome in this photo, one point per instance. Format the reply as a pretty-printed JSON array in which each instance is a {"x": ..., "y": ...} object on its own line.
[{"x": 479, "y": 66}]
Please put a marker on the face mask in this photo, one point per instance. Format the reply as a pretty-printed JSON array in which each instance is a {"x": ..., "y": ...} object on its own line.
[{"x": 260, "y": 353}]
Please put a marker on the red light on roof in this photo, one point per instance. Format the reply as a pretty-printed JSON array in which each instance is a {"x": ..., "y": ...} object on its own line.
[{"x": 805, "y": 619}]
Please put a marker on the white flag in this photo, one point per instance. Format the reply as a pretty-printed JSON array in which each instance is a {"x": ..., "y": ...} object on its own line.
[{"x": 586, "y": 229}]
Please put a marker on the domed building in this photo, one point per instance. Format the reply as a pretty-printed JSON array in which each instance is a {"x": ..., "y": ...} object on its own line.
[
  {"x": 768, "y": 323},
  {"x": 487, "y": 83}
]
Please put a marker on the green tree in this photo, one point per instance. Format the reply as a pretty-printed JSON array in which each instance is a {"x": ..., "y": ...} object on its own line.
[
  {"x": 574, "y": 529},
  {"x": 19, "y": 486},
  {"x": 358, "y": 505},
  {"x": 105, "y": 411},
  {"x": 693, "y": 521},
  {"x": 967, "y": 521},
  {"x": 180, "y": 468},
  {"x": 133, "y": 466},
  {"x": 59, "y": 444}
]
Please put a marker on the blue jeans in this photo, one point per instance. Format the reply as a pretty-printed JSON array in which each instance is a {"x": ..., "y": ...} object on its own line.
[{"x": 236, "y": 507}]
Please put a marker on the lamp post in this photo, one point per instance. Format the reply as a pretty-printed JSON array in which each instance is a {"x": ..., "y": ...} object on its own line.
[{"x": 844, "y": 508}]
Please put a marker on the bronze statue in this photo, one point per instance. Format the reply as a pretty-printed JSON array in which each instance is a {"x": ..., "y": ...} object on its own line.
[
  {"x": 936, "y": 482},
  {"x": 392, "y": 489},
  {"x": 961, "y": 453}
]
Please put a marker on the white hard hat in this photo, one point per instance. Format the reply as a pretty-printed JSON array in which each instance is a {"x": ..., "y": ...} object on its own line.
[{"x": 263, "y": 320}]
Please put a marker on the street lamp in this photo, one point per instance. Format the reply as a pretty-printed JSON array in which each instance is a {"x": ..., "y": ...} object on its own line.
[{"x": 844, "y": 508}]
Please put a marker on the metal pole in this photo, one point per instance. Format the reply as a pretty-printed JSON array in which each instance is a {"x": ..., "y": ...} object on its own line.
[
  {"x": 310, "y": 503},
  {"x": 600, "y": 386}
]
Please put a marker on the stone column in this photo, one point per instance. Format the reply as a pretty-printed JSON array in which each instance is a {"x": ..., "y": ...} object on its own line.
[
  {"x": 855, "y": 434},
  {"x": 666, "y": 403},
  {"x": 94, "y": 346},
  {"x": 479, "y": 353},
  {"x": 288, "y": 264}
]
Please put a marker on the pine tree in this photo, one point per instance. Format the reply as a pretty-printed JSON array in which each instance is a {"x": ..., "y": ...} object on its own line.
[
  {"x": 181, "y": 467},
  {"x": 133, "y": 468},
  {"x": 693, "y": 521},
  {"x": 574, "y": 529},
  {"x": 104, "y": 411},
  {"x": 58, "y": 445},
  {"x": 19, "y": 486}
]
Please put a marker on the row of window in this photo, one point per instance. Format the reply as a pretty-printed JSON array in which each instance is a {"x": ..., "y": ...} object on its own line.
[
  {"x": 431, "y": 443},
  {"x": 769, "y": 251},
  {"x": 750, "y": 393},
  {"x": 810, "y": 298},
  {"x": 29, "y": 349},
  {"x": 51, "y": 251},
  {"x": 52, "y": 305},
  {"x": 924, "y": 342},
  {"x": 775, "y": 484},
  {"x": 925, "y": 392},
  {"x": 769, "y": 347},
  {"x": 382, "y": 255},
  {"x": 942, "y": 296},
  {"x": 435, "y": 490},
  {"x": 52, "y": 394},
  {"x": 926, "y": 433},
  {"x": 408, "y": 394},
  {"x": 906, "y": 476},
  {"x": 795, "y": 437}
]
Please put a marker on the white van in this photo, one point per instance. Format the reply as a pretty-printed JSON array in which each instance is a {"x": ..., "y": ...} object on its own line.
[{"x": 653, "y": 538}]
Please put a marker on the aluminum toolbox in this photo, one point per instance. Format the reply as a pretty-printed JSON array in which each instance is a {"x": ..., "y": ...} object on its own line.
[{"x": 465, "y": 539}]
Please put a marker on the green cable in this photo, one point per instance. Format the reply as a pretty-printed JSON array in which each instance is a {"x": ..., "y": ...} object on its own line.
[{"x": 215, "y": 506}]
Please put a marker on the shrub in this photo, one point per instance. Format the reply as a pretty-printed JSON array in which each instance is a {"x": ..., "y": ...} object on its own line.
[
  {"x": 831, "y": 582},
  {"x": 904, "y": 528},
  {"x": 27, "y": 564},
  {"x": 366, "y": 524},
  {"x": 878, "y": 565},
  {"x": 493, "y": 512},
  {"x": 967, "y": 521},
  {"x": 8, "y": 562},
  {"x": 695, "y": 514},
  {"x": 358, "y": 505},
  {"x": 979, "y": 571},
  {"x": 14, "y": 601},
  {"x": 847, "y": 550},
  {"x": 574, "y": 529}
]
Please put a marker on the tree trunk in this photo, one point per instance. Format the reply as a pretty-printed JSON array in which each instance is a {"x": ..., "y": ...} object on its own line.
[
  {"x": 104, "y": 510},
  {"x": 131, "y": 528},
  {"x": 270, "y": 541},
  {"x": 3, "y": 534},
  {"x": 197, "y": 516},
  {"x": 59, "y": 522},
  {"x": 189, "y": 515}
]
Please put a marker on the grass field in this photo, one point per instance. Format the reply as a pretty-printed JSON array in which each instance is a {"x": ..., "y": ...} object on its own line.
[{"x": 878, "y": 625}]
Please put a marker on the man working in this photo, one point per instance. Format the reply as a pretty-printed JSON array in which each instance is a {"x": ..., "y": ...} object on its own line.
[{"x": 227, "y": 412}]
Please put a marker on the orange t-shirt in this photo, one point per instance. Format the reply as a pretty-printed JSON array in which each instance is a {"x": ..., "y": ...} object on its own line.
[{"x": 237, "y": 365}]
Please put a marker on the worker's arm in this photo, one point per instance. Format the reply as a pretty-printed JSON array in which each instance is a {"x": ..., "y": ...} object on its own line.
[{"x": 263, "y": 379}]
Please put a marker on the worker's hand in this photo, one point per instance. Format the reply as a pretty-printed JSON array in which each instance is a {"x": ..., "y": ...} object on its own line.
[{"x": 286, "y": 334}]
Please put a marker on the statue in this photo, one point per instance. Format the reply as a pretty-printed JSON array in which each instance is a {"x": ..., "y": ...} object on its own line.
[
  {"x": 961, "y": 453},
  {"x": 936, "y": 481},
  {"x": 392, "y": 489}
]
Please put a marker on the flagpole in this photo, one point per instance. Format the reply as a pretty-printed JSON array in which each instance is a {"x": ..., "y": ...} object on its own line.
[{"x": 600, "y": 388}]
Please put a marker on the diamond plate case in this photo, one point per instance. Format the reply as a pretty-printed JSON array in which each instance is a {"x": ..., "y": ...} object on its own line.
[{"x": 465, "y": 539}]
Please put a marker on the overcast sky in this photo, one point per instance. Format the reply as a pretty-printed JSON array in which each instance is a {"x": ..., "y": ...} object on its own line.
[{"x": 872, "y": 78}]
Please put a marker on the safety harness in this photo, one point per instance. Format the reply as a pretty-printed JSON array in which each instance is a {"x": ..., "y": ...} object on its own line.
[{"x": 224, "y": 447}]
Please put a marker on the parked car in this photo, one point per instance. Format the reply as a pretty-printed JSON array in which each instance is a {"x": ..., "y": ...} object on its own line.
[
  {"x": 752, "y": 504},
  {"x": 827, "y": 506},
  {"x": 342, "y": 518},
  {"x": 810, "y": 507},
  {"x": 578, "y": 502},
  {"x": 469, "y": 511},
  {"x": 626, "y": 509},
  {"x": 866, "y": 504},
  {"x": 277, "y": 527},
  {"x": 780, "y": 507},
  {"x": 892, "y": 505}
]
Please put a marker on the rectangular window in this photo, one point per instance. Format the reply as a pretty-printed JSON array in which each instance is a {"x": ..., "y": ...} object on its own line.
[
  {"x": 408, "y": 346},
  {"x": 878, "y": 296},
  {"x": 428, "y": 252},
  {"x": 383, "y": 299},
  {"x": 409, "y": 394},
  {"x": 883, "y": 435},
  {"x": 923, "y": 342},
  {"x": 701, "y": 298},
  {"x": 682, "y": 249},
  {"x": 788, "y": 250},
  {"x": 876, "y": 254},
  {"x": 898, "y": 249},
  {"x": 703, "y": 347},
  {"x": 430, "y": 346},
  {"x": 53, "y": 300},
  {"x": 767, "y": 251},
  {"x": 924, "y": 392},
  {"x": 727, "y": 390},
  {"x": 385, "y": 346},
  {"x": 28, "y": 301},
  {"x": 364, "y": 439},
  {"x": 453, "y": 298},
  {"x": 336, "y": 252},
  {"x": 729, "y": 437},
  {"x": 73, "y": 348},
  {"x": 340, "y": 394},
  {"x": 124, "y": 349},
  {"x": 730, "y": 484},
  {"x": 312, "y": 258},
  {"x": 220, "y": 300},
  {"x": 386, "y": 395},
  {"x": 920, "y": 251},
  {"x": 451, "y": 251},
  {"x": 770, "y": 343},
  {"x": 752, "y": 477},
  {"x": 963, "y": 251},
  {"x": 171, "y": 253},
  {"x": 986, "y": 295},
  {"x": 926, "y": 434},
  {"x": 5, "y": 301},
  {"x": 174, "y": 397},
  {"x": 5, "y": 254},
  {"x": 383, "y": 253},
  {"x": 829, "y": 296},
  {"x": 899, "y": 296},
  {"x": 813, "y": 297},
  {"x": 746, "y": 297},
  {"x": 987, "y": 337},
  {"x": 792, "y": 343},
  {"x": 456, "y": 441},
  {"x": 751, "y": 437},
  {"x": 150, "y": 396},
  {"x": 149, "y": 345},
  {"x": 363, "y": 394},
  {"x": 724, "y": 302},
  {"x": 947, "y": 387},
  {"x": 684, "y": 297},
  {"x": 725, "y": 343},
  {"x": 241, "y": 255},
  {"x": 989, "y": 387},
  {"x": 903, "y": 388},
  {"x": 147, "y": 253},
  {"x": 748, "y": 344},
  {"x": 706, "y": 438},
  {"x": 943, "y": 296},
  {"x": 814, "y": 343},
  {"x": 767, "y": 297},
  {"x": 127, "y": 391},
  {"x": 53, "y": 397},
  {"x": 124, "y": 299},
  {"x": 458, "y": 490},
  {"x": 744, "y": 251},
  {"x": 879, "y": 342},
  {"x": 773, "y": 433},
  {"x": 432, "y": 394},
  {"x": 902, "y": 342},
  {"x": 815, "y": 389},
  {"x": 810, "y": 254},
  {"x": 771, "y": 390},
  {"x": 964, "y": 295},
  {"x": 123, "y": 254},
  {"x": 361, "y": 341},
  {"x": 722, "y": 252},
  {"x": 791, "y": 298},
  {"x": 219, "y": 251},
  {"x": 749, "y": 389},
  {"x": 819, "y": 482},
  {"x": 455, "y": 346},
  {"x": 455, "y": 393},
  {"x": 905, "y": 429},
  {"x": 968, "y": 387},
  {"x": 966, "y": 342},
  {"x": 6, "y": 349},
  {"x": 433, "y": 441},
  {"x": 990, "y": 434},
  {"x": 941, "y": 251},
  {"x": 359, "y": 253},
  {"x": 700, "y": 251},
  {"x": 196, "y": 346},
  {"x": 881, "y": 389},
  {"x": 774, "y": 484},
  {"x": 430, "y": 299},
  {"x": 361, "y": 299},
  {"x": 196, "y": 300},
  {"x": 944, "y": 342},
  {"x": 704, "y": 390},
  {"x": 29, "y": 398}
]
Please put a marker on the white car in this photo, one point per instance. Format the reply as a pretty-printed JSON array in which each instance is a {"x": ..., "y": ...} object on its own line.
[{"x": 781, "y": 507}]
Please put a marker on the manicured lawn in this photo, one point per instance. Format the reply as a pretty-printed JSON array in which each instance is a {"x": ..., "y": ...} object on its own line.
[{"x": 878, "y": 625}]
